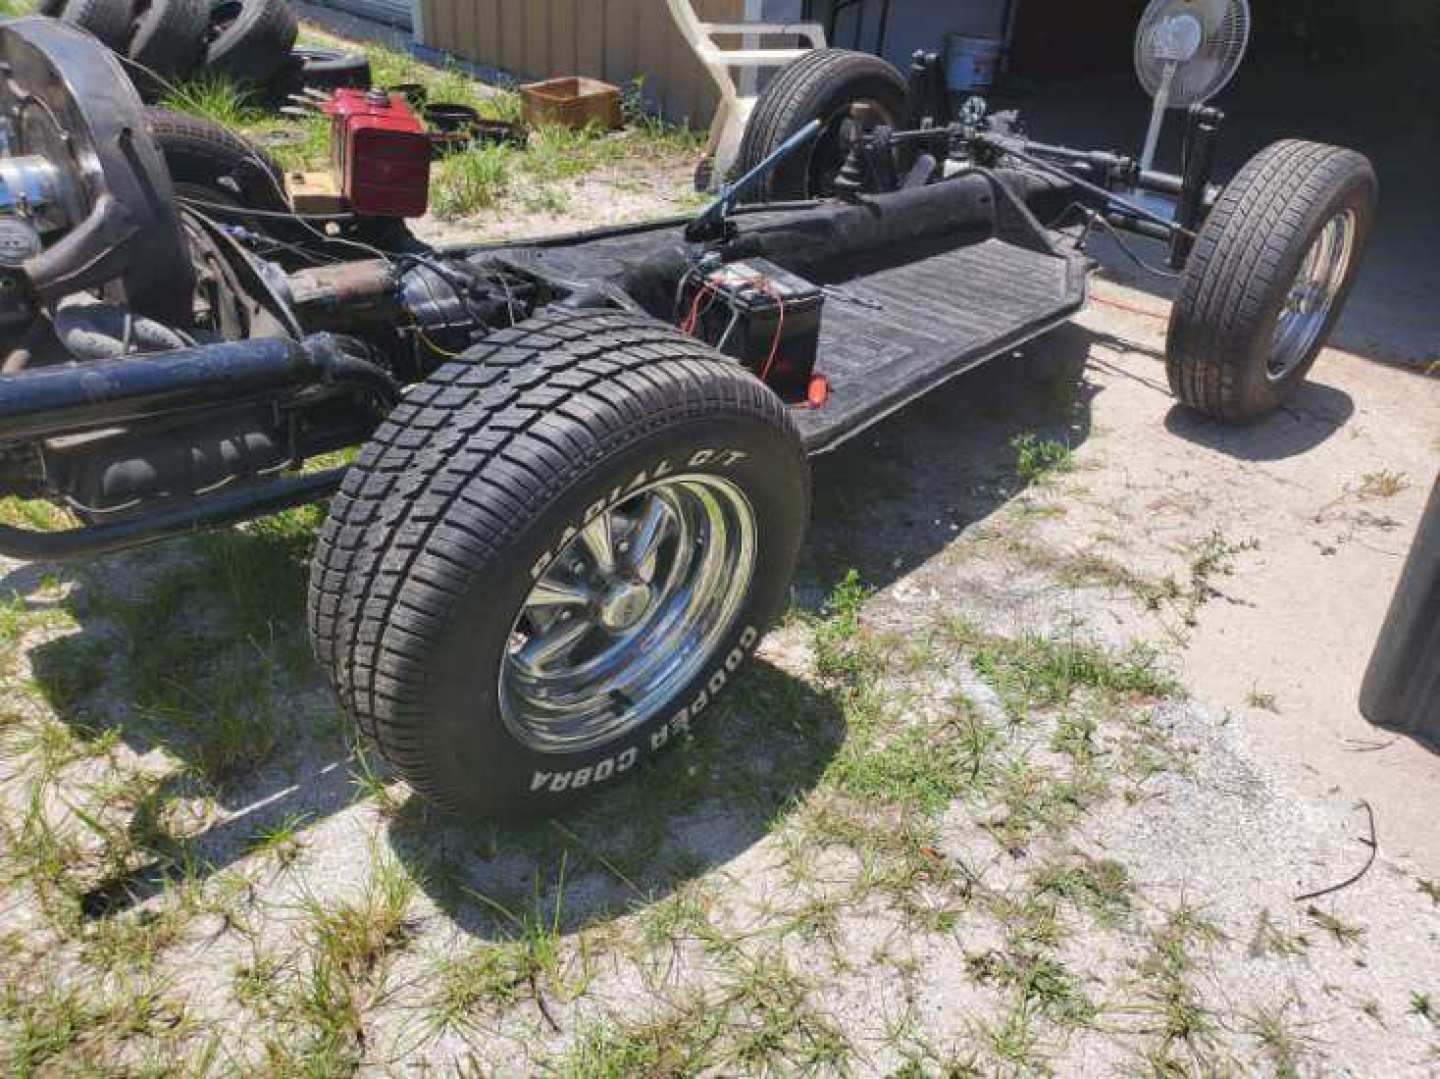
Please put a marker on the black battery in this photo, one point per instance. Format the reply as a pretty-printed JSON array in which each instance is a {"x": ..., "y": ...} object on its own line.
[{"x": 768, "y": 319}]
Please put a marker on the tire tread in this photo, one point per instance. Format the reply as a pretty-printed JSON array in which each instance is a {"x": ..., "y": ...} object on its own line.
[
  {"x": 1257, "y": 232},
  {"x": 460, "y": 466}
]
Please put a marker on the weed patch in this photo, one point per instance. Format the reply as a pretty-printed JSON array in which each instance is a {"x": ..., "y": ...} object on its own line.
[{"x": 1037, "y": 459}]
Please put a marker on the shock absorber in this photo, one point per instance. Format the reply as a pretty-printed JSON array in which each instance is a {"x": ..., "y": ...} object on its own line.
[{"x": 1200, "y": 133}]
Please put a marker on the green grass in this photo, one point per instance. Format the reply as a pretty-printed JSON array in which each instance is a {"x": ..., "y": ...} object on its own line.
[
  {"x": 281, "y": 840},
  {"x": 1038, "y": 671},
  {"x": 321, "y": 1005},
  {"x": 677, "y": 1043},
  {"x": 476, "y": 179},
  {"x": 480, "y": 982},
  {"x": 914, "y": 770},
  {"x": 1040, "y": 983},
  {"x": 1037, "y": 459},
  {"x": 1279, "y": 1038},
  {"x": 1099, "y": 885},
  {"x": 1180, "y": 1026},
  {"x": 204, "y": 649},
  {"x": 214, "y": 97},
  {"x": 72, "y": 1030},
  {"x": 1264, "y": 701},
  {"x": 1424, "y": 1007},
  {"x": 1272, "y": 939},
  {"x": 353, "y": 937},
  {"x": 1340, "y": 931},
  {"x": 480, "y": 178}
]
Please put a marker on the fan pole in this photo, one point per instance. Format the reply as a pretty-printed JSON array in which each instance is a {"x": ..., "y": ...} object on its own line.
[{"x": 1157, "y": 115}]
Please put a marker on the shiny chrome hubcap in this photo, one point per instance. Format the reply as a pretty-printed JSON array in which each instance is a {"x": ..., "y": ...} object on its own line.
[
  {"x": 1312, "y": 295},
  {"x": 624, "y": 605},
  {"x": 628, "y": 613}
]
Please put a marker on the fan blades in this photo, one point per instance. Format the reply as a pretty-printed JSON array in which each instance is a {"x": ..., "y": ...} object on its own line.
[{"x": 1203, "y": 40}]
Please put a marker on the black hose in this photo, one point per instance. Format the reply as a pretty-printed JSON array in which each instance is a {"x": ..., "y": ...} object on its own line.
[
  {"x": 78, "y": 396},
  {"x": 343, "y": 368}
]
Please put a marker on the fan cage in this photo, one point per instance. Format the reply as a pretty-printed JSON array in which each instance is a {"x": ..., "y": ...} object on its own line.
[{"x": 1226, "y": 36}]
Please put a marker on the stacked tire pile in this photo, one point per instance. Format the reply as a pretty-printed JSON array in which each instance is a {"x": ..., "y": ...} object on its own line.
[{"x": 249, "y": 42}]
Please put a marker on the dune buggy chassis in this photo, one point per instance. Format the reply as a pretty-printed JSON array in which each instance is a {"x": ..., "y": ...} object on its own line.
[{"x": 582, "y": 481}]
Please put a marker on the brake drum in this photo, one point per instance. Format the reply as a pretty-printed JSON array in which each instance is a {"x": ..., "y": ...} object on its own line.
[{"x": 73, "y": 127}]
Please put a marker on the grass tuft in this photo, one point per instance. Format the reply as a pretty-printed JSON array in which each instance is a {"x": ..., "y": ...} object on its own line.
[
  {"x": 1044, "y": 671},
  {"x": 215, "y": 97},
  {"x": 1037, "y": 459},
  {"x": 1099, "y": 885},
  {"x": 1375, "y": 486},
  {"x": 1343, "y": 932}
]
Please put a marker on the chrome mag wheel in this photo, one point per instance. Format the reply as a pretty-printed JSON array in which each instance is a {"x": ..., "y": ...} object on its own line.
[
  {"x": 1313, "y": 295},
  {"x": 628, "y": 614}
]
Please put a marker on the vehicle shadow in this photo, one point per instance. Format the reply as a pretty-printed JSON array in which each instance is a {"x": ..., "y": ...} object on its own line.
[
  {"x": 292, "y": 765},
  {"x": 900, "y": 493},
  {"x": 197, "y": 649},
  {"x": 192, "y": 652},
  {"x": 697, "y": 808},
  {"x": 1313, "y": 415}
]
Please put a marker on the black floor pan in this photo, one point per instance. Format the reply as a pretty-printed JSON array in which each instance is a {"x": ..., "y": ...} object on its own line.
[{"x": 890, "y": 335}]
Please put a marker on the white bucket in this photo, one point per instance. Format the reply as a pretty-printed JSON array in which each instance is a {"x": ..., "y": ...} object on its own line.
[{"x": 974, "y": 62}]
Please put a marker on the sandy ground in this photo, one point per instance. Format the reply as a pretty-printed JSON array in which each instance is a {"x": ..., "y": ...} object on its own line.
[{"x": 1302, "y": 614}]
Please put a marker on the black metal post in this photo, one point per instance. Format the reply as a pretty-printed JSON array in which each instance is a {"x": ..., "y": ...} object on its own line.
[{"x": 1200, "y": 133}]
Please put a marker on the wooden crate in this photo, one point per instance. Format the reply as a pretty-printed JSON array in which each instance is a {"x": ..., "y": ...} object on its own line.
[{"x": 572, "y": 102}]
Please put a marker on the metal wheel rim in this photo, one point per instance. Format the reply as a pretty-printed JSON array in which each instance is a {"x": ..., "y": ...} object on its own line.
[
  {"x": 832, "y": 146},
  {"x": 627, "y": 613},
  {"x": 1312, "y": 295}
]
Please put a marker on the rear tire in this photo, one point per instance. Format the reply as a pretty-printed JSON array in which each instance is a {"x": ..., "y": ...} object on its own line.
[
  {"x": 1269, "y": 277},
  {"x": 822, "y": 85},
  {"x": 492, "y": 476}
]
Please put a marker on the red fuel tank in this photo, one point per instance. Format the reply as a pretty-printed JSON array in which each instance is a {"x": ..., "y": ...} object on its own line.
[{"x": 381, "y": 153}]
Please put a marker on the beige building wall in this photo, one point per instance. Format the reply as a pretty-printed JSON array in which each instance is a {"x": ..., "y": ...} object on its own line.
[{"x": 614, "y": 40}]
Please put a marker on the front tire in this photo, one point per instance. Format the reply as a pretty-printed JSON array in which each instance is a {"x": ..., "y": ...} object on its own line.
[
  {"x": 821, "y": 85},
  {"x": 554, "y": 556},
  {"x": 1269, "y": 277}
]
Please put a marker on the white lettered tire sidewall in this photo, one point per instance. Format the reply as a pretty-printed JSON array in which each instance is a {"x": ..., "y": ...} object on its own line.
[{"x": 464, "y": 674}]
